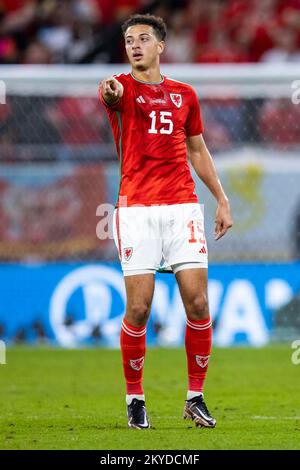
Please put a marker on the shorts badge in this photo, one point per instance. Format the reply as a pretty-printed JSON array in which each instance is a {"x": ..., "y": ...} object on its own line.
[{"x": 128, "y": 253}]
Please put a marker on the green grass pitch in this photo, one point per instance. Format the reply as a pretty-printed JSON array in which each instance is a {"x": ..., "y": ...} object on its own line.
[{"x": 65, "y": 399}]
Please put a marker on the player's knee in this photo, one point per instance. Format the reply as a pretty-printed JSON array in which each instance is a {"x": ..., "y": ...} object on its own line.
[
  {"x": 138, "y": 313},
  {"x": 197, "y": 308}
]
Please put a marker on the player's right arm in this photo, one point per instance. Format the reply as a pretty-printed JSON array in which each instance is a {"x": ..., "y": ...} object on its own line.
[{"x": 111, "y": 90}]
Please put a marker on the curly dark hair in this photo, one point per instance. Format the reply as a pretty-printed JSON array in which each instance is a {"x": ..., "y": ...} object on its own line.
[{"x": 157, "y": 23}]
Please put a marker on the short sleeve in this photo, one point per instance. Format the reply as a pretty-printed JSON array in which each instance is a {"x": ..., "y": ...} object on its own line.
[
  {"x": 194, "y": 125},
  {"x": 119, "y": 105}
]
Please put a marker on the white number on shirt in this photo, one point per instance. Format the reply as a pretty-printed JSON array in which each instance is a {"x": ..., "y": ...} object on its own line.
[{"x": 163, "y": 120}]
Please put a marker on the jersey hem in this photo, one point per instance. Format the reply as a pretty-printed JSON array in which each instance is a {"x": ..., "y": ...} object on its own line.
[{"x": 160, "y": 203}]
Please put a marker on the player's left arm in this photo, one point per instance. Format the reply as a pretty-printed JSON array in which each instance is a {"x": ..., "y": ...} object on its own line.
[{"x": 205, "y": 168}]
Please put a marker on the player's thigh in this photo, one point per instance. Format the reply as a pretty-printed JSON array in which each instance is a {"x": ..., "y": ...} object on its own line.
[
  {"x": 136, "y": 234},
  {"x": 184, "y": 238},
  {"x": 192, "y": 285},
  {"x": 139, "y": 295}
]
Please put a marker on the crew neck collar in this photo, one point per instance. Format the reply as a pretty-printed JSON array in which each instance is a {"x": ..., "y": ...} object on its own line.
[{"x": 148, "y": 83}]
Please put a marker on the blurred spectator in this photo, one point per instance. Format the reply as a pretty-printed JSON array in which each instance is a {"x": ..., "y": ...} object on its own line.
[
  {"x": 123, "y": 8},
  {"x": 17, "y": 15},
  {"x": 115, "y": 11},
  {"x": 179, "y": 45},
  {"x": 285, "y": 50},
  {"x": 221, "y": 50},
  {"x": 57, "y": 31},
  {"x": 258, "y": 28},
  {"x": 289, "y": 14},
  {"x": 37, "y": 53},
  {"x": 205, "y": 19},
  {"x": 8, "y": 50}
]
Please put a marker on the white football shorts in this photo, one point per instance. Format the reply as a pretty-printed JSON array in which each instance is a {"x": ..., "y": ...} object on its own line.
[{"x": 158, "y": 238}]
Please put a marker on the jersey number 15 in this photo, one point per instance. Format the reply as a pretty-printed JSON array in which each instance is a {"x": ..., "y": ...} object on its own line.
[{"x": 163, "y": 117}]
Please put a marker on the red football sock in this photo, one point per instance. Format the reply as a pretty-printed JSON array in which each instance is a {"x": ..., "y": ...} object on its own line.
[
  {"x": 133, "y": 347},
  {"x": 198, "y": 347}
]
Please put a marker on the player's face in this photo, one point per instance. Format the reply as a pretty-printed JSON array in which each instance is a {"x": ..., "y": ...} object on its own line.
[{"x": 142, "y": 46}]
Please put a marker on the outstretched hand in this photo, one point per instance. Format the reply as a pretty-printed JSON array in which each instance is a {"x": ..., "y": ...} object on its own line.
[{"x": 112, "y": 89}]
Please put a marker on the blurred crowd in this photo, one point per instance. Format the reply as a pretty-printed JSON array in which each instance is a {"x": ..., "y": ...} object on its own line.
[
  {"x": 84, "y": 31},
  {"x": 214, "y": 31}
]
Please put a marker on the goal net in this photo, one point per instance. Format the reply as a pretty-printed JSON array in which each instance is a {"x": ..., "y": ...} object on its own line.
[{"x": 59, "y": 172}]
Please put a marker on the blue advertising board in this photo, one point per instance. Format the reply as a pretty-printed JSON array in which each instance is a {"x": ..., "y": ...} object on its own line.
[{"x": 75, "y": 305}]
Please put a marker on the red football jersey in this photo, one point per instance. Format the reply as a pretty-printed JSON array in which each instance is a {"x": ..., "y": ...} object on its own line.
[{"x": 150, "y": 124}]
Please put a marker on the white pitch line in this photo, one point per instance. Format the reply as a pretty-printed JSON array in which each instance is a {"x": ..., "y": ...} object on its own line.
[{"x": 276, "y": 417}]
